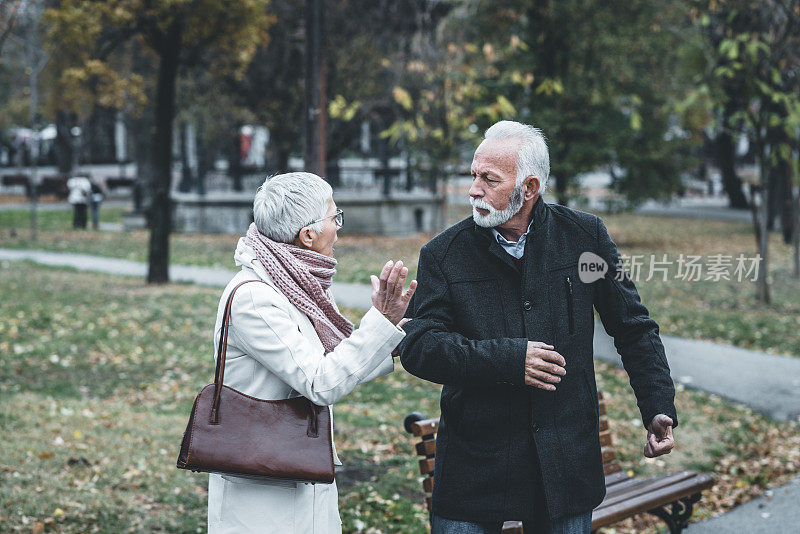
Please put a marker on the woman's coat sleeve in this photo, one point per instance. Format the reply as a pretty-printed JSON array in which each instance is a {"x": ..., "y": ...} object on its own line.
[{"x": 265, "y": 329}]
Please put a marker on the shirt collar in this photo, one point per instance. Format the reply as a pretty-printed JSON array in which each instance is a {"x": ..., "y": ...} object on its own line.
[
  {"x": 505, "y": 242},
  {"x": 516, "y": 249}
]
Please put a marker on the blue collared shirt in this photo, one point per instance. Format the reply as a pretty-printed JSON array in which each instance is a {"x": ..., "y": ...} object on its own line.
[{"x": 515, "y": 249}]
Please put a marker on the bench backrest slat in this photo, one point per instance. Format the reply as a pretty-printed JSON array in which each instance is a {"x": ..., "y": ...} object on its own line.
[
  {"x": 426, "y": 447},
  {"x": 426, "y": 466}
]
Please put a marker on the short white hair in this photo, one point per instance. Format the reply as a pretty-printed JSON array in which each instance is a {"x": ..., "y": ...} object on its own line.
[
  {"x": 533, "y": 159},
  {"x": 285, "y": 203}
]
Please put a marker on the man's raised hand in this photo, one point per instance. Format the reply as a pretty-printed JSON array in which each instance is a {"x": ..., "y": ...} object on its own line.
[{"x": 544, "y": 367}]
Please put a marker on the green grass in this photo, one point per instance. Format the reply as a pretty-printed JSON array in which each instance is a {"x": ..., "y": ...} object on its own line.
[
  {"x": 51, "y": 220},
  {"x": 97, "y": 377}
]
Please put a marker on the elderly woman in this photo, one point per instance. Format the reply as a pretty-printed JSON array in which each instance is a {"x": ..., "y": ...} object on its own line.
[{"x": 287, "y": 338}]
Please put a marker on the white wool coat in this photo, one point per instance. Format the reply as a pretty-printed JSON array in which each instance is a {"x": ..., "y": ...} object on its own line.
[{"x": 275, "y": 353}]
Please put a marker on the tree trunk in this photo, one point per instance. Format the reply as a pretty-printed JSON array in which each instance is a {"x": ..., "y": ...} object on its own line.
[
  {"x": 561, "y": 190},
  {"x": 315, "y": 102},
  {"x": 776, "y": 138},
  {"x": 547, "y": 42},
  {"x": 205, "y": 159},
  {"x": 283, "y": 158},
  {"x": 187, "y": 180},
  {"x": 762, "y": 291},
  {"x": 787, "y": 205},
  {"x": 775, "y": 176},
  {"x": 755, "y": 191},
  {"x": 796, "y": 232},
  {"x": 142, "y": 133},
  {"x": 64, "y": 148},
  {"x": 161, "y": 210},
  {"x": 235, "y": 159},
  {"x": 725, "y": 160}
]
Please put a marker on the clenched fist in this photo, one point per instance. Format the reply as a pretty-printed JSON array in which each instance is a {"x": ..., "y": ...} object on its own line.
[{"x": 659, "y": 436}]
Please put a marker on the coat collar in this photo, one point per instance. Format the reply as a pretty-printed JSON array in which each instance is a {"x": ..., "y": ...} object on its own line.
[{"x": 538, "y": 244}]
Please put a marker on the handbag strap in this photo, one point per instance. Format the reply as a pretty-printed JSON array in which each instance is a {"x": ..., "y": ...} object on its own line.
[
  {"x": 219, "y": 372},
  {"x": 222, "y": 349}
]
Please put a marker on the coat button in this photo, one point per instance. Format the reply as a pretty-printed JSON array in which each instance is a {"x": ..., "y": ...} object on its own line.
[
  {"x": 535, "y": 427},
  {"x": 527, "y": 305}
]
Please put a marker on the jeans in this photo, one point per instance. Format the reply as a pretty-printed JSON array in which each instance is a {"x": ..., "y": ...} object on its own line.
[
  {"x": 94, "y": 212},
  {"x": 79, "y": 216},
  {"x": 575, "y": 524}
]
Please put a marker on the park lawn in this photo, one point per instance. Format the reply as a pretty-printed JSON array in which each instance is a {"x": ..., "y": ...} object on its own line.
[
  {"x": 97, "y": 377},
  {"x": 49, "y": 220},
  {"x": 723, "y": 311}
]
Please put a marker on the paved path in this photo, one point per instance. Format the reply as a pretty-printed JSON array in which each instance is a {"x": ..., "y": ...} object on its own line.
[
  {"x": 766, "y": 383},
  {"x": 349, "y": 295},
  {"x": 776, "y": 512}
]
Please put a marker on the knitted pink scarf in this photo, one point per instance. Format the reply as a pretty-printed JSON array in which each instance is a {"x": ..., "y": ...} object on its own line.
[{"x": 304, "y": 276}]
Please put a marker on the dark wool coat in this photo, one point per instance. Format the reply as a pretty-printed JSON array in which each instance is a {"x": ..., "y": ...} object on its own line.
[{"x": 503, "y": 445}]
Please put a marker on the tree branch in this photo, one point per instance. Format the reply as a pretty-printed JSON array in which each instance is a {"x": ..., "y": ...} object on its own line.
[
  {"x": 110, "y": 39},
  {"x": 12, "y": 20}
]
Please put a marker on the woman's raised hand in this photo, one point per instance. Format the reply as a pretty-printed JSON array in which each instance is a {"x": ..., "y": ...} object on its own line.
[{"x": 388, "y": 295}]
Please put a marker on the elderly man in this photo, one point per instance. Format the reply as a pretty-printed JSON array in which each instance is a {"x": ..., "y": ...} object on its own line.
[{"x": 503, "y": 321}]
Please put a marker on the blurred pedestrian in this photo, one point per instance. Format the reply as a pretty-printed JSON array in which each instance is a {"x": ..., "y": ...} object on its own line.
[
  {"x": 80, "y": 191},
  {"x": 96, "y": 197}
]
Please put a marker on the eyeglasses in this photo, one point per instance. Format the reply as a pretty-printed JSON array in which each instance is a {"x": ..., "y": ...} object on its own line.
[{"x": 338, "y": 218}]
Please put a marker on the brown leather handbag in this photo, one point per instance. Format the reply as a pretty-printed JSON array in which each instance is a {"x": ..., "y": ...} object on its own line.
[{"x": 233, "y": 433}]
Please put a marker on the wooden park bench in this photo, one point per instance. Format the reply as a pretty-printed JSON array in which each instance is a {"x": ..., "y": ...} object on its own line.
[
  {"x": 115, "y": 182},
  {"x": 669, "y": 497},
  {"x": 55, "y": 184},
  {"x": 17, "y": 179}
]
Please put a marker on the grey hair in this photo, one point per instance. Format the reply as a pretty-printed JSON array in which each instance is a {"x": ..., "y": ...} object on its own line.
[
  {"x": 533, "y": 159},
  {"x": 285, "y": 203}
]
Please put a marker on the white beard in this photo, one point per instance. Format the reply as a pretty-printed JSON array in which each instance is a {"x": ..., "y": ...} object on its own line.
[{"x": 496, "y": 217}]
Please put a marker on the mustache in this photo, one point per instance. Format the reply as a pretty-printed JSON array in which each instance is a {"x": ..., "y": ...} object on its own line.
[{"x": 480, "y": 203}]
